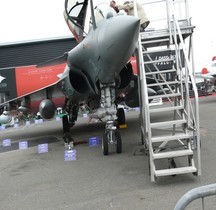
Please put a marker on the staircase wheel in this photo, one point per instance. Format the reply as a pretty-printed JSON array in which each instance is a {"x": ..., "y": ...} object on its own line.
[{"x": 172, "y": 165}]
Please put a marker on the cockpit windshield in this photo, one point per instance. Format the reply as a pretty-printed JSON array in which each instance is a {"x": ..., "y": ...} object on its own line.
[{"x": 75, "y": 14}]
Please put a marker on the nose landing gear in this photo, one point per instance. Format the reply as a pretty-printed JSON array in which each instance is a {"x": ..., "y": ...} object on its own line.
[{"x": 111, "y": 135}]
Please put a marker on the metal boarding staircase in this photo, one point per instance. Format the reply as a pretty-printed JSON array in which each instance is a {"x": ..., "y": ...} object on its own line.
[{"x": 170, "y": 132}]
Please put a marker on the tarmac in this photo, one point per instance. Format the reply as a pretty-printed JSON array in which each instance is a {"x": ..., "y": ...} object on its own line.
[{"x": 31, "y": 180}]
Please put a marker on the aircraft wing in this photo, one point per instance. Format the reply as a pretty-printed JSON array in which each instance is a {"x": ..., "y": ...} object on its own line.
[
  {"x": 205, "y": 76},
  {"x": 27, "y": 80},
  {"x": 210, "y": 75}
]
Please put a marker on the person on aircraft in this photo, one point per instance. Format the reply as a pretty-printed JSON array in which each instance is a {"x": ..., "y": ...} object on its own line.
[{"x": 128, "y": 7}]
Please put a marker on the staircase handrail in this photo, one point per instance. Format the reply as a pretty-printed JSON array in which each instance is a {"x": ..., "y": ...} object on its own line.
[{"x": 190, "y": 72}]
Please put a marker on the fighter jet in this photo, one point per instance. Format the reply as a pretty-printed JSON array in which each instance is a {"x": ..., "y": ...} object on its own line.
[{"x": 97, "y": 71}]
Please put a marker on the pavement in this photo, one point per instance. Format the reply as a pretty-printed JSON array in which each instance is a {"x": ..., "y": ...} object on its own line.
[{"x": 30, "y": 180}]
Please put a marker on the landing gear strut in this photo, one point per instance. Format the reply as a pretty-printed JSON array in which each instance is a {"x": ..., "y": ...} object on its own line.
[
  {"x": 68, "y": 120},
  {"x": 69, "y": 143},
  {"x": 111, "y": 135},
  {"x": 66, "y": 125}
]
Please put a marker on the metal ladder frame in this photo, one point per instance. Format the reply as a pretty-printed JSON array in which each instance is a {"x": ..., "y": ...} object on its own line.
[
  {"x": 189, "y": 73},
  {"x": 143, "y": 94}
]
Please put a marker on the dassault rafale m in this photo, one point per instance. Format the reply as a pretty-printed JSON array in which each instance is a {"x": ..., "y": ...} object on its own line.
[{"x": 97, "y": 72}]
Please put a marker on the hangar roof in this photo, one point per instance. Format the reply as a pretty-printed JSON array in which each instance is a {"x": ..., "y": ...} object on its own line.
[{"x": 34, "y": 52}]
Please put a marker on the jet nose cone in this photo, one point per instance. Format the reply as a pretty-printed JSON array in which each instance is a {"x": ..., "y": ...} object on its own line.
[
  {"x": 121, "y": 37},
  {"x": 128, "y": 27}
]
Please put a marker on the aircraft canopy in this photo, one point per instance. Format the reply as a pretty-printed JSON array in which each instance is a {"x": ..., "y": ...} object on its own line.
[{"x": 77, "y": 12}]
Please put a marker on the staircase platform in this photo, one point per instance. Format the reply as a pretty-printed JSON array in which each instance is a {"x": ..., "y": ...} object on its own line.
[{"x": 149, "y": 38}]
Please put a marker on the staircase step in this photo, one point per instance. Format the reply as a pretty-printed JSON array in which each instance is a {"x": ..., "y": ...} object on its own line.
[
  {"x": 158, "y": 61},
  {"x": 173, "y": 171},
  {"x": 170, "y": 138},
  {"x": 160, "y": 72},
  {"x": 155, "y": 51},
  {"x": 172, "y": 154},
  {"x": 165, "y": 96},
  {"x": 155, "y": 41},
  {"x": 164, "y": 83},
  {"x": 166, "y": 109},
  {"x": 167, "y": 123}
]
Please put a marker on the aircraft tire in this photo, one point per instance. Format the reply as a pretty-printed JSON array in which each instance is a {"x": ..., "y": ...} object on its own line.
[
  {"x": 121, "y": 116},
  {"x": 118, "y": 142},
  {"x": 105, "y": 145},
  {"x": 65, "y": 123}
]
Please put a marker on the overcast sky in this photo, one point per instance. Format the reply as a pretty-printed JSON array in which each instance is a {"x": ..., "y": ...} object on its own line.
[{"x": 22, "y": 20}]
